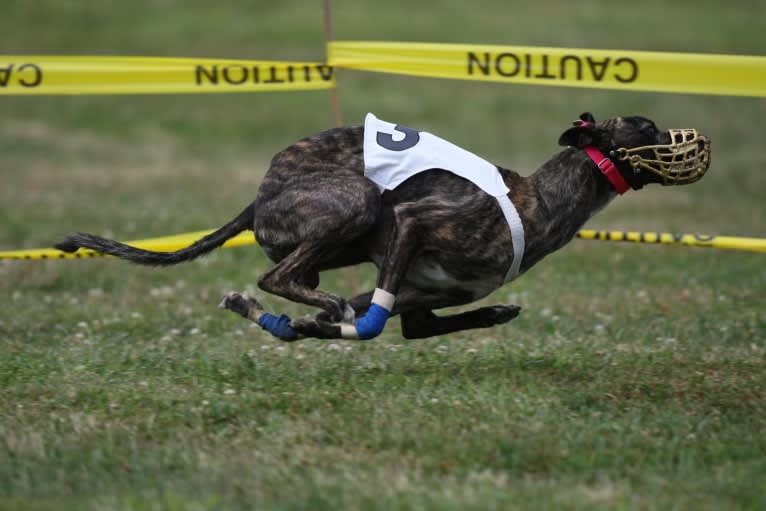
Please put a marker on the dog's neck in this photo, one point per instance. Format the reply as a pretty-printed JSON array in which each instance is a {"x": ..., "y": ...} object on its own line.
[{"x": 569, "y": 189}]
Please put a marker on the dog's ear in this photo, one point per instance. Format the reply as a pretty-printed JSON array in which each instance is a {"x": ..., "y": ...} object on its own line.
[
  {"x": 584, "y": 132},
  {"x": 579, "y": 136}
]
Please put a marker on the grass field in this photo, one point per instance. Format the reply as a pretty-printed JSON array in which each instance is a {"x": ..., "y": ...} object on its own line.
[{"x": 635, "y": 377}]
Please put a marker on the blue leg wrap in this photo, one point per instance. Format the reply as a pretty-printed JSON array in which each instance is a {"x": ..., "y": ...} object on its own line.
[
  {"x": 278, "y": 326},
  {"x": 371, "y": 324}
]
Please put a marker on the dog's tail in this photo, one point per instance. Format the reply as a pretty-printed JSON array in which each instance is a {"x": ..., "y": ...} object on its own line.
[{"x": 148, "y": 257}]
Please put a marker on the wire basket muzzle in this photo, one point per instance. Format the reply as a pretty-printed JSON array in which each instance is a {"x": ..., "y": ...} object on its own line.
[{"x": 683, "y": 161}]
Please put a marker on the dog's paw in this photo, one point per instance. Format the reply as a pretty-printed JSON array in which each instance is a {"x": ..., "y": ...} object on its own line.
[
  {"x": 311, "y": 327},
  {"x": 304, "y": 325},
  {"x": 241, "y": 304},
  {"x": 500, "y": 314},
  {"x": 349, "y": 316},
  {"x": 336, "y": 311}
]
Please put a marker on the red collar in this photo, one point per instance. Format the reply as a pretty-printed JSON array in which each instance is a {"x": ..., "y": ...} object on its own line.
[{"x": 608, "y": 168}]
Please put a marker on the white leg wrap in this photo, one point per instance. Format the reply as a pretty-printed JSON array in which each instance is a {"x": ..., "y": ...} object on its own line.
[
  {"x": 383, "y": 298},
  {"x": 371, "y": 325},
  {"x": 348, "y": 331}
]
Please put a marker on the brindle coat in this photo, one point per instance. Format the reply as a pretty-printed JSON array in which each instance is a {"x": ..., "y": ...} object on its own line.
[{"x": 437, "y": 240}]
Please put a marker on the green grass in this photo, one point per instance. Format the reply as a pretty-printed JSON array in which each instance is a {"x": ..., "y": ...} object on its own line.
[{"x": 635, "y": 377}]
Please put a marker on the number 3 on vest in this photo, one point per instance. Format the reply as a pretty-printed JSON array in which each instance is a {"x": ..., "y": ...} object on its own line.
[{"x": 386, "y": 140}]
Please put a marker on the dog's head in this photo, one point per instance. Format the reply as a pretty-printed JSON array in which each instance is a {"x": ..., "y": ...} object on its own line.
[{"x": 642, "y": 152}]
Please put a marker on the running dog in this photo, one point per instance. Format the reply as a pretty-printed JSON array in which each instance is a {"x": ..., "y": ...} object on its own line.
[{"x": 442, "y": 226}]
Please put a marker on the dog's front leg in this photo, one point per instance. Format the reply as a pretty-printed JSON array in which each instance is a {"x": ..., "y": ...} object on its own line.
[
  {"x": 399, "y": 250},
  {"x": 421, "y": 323}
]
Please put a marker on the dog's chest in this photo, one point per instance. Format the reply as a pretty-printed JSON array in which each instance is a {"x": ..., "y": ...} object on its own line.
[{"x": 427, "y": 273}]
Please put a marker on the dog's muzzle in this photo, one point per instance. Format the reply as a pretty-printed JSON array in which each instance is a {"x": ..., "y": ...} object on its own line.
[{"x": 684, "y": 160}]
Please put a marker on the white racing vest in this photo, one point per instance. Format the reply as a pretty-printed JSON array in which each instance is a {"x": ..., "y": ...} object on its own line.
[{"x": 394, "y": 153}]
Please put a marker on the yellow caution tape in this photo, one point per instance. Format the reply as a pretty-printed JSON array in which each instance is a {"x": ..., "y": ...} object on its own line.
[
  {"x": 734, "y": 75},
  {"x": 179, "y": 241},
  {"x": 689, "y": 240},
  {"x": 163, "y": 244},
  {"x": 149, "y": 75}
]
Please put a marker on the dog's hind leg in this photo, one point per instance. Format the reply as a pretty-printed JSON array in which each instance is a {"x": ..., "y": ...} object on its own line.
[
  {"x": 308, "y": 225},
  {"x": 249, "y": 308},
  {"x": 295, "y": 277},
  {"x": 400, "y": 247}
]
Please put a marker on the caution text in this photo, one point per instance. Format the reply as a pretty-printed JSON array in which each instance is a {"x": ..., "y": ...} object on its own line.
[
  {"x": 553, "y": 67},
  {"x": 237, "y": 74},
  {"x": 26, "y": 75}
]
